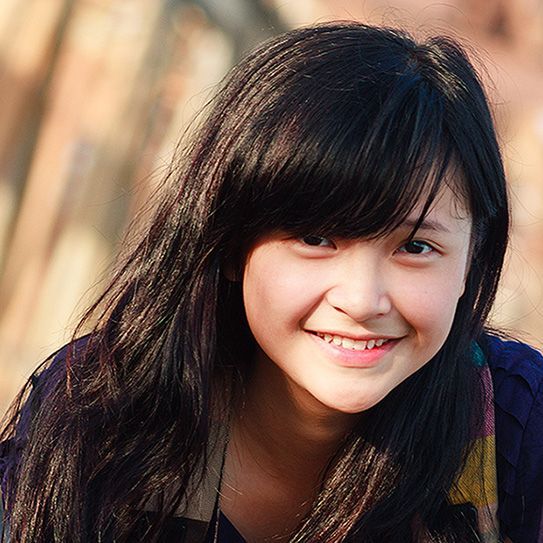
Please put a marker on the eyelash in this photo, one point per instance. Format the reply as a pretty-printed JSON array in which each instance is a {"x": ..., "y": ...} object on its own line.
[
  {"x": 417, "y": 243},
  {"x": 321, "y": 241},
  {"x": 307, "y": 240}
]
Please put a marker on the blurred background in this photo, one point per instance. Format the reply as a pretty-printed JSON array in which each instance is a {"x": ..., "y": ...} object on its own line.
[{"x": 95, "y": 93}]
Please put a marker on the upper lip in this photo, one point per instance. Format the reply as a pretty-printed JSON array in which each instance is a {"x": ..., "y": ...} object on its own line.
[{"x": 355, "y": 337}]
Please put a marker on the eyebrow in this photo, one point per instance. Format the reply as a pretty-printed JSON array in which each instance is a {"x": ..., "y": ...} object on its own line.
[{"x": 426, "y": 224}]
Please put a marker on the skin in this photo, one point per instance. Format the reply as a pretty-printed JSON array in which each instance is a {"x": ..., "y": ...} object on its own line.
[{"x": 307, "y": 393}]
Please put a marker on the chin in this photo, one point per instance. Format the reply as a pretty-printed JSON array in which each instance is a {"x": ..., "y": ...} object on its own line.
[{"x": 354, "y": 407}]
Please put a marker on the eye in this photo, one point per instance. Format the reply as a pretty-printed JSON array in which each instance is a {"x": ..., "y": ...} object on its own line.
[
  {"x": 317, "y": 241},
  {"x": 416, "y": 247}
]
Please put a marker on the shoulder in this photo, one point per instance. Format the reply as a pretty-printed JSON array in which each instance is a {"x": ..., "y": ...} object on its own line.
[
  {"x": 517, "y": 375},
  {"x": 510, "y": 358},
  {"x": 46, "y": 379}
]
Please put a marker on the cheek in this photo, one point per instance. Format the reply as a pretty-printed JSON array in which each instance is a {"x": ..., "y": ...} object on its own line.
[
  {"x": 259, "y": 301},
  {"x": 275, "y": 296},
  {"x": 431, "y": 307},
  {"x": 271, "y": 287}
]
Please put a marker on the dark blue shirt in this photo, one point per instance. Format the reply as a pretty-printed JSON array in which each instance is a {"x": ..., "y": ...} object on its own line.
[{"x": 517, "y": 374}]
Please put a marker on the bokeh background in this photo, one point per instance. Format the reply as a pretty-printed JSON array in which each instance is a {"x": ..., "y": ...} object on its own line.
[{"x": 95, "y": 93}]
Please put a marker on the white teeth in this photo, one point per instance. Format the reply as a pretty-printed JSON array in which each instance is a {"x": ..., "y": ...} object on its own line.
[
  {"x": 349, "y": 343},
  {"x": 360, "y": 345}
]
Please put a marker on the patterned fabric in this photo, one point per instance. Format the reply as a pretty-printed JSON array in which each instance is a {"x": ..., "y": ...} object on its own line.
[
  {"x": 510, "y": 444},
  {"x": 477, "y": 483},
  {"x": 517, "y": 375}
]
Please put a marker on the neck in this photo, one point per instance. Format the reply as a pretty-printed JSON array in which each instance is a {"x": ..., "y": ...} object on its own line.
[
  {"x": 281, "y": 442},
  {"x": 286, "y": 427}
]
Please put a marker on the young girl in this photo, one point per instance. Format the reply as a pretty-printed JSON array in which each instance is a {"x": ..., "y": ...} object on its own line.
[{"x": 295, "y": 350}]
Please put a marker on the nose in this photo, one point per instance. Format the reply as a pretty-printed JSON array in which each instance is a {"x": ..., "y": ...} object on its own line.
[{"x": 361, "y": 288}]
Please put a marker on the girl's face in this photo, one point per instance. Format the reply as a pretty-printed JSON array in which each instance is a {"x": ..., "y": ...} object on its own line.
[{"x": 346, "y": 321}]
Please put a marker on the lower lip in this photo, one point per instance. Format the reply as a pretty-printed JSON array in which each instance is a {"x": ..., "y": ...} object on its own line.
[{"x": 368, "y": 358}]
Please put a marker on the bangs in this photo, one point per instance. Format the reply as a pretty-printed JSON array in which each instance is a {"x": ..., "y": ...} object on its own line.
[{"x": 344, "y": 163}]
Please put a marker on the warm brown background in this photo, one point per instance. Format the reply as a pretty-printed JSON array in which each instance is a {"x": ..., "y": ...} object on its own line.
[{"x": 94, "y": 93}]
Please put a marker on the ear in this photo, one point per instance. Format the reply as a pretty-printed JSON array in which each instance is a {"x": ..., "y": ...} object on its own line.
[
  {"x": 231, "y": 271},
  {"x": 474, "y": 246},
  {"x": 466, "y": 278}
]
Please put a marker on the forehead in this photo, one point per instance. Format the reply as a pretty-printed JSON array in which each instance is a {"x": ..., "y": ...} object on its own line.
[
  {"x": 449, "y": 200},
  {"x": 448, "y": 212}
]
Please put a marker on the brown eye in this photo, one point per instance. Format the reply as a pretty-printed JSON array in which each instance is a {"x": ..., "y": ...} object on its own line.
[
  {"x": 416, "y": 247},
  {"x": 317, "y": 241}
]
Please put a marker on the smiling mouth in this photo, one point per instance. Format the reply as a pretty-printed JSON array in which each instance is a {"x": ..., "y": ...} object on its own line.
[{"x": 352, "y": 344}]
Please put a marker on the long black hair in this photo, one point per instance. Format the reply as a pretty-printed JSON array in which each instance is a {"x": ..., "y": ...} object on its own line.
[{"x": 340, "y": 128}]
